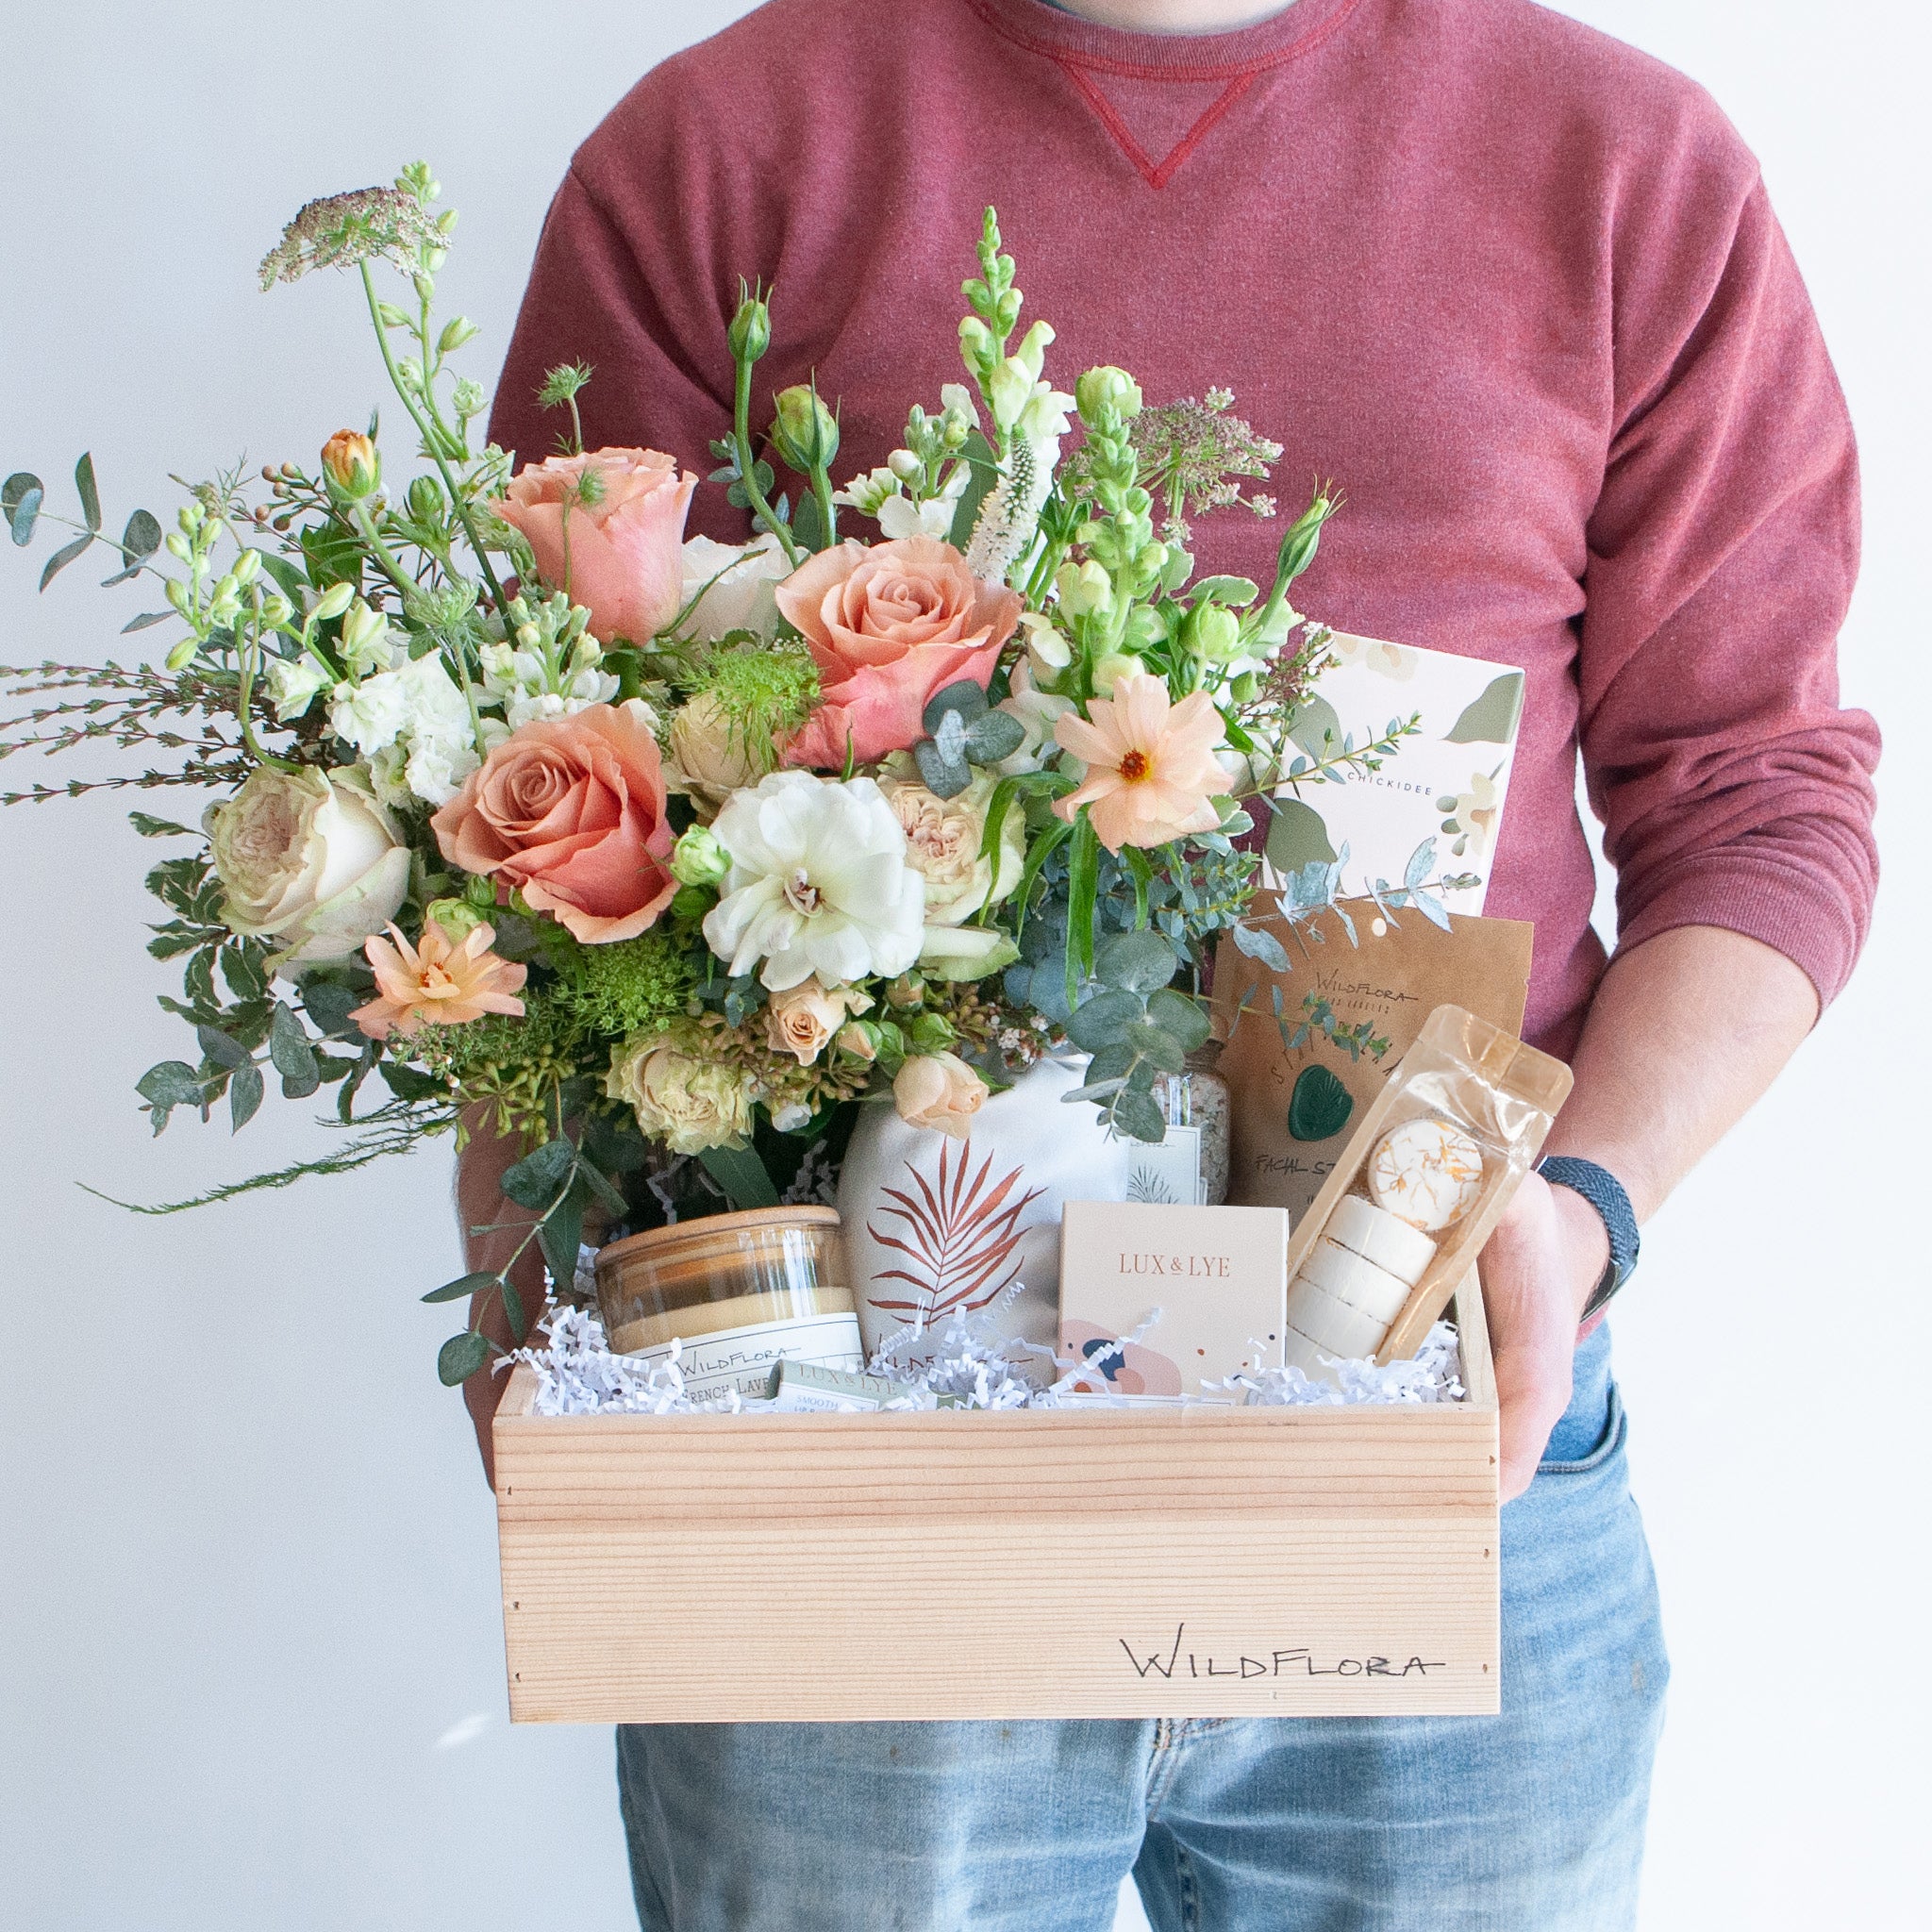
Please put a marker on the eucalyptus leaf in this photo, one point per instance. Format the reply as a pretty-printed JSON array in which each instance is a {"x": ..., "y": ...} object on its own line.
[
  {"x": 24, "y": 513},
  {"x": 949, "y": 736},
  {"x": 1111, "y": 1063},
  {"x": 459, "y": 1358},
  {"x": 1260, "y": 944},
  {"x": 559, "y": 1237},
  {"x": 292, "y": 1055},
  {"x": 15, "y": 492},
  {"x": 602, "y": 1188},
  {"x": 245, "y": 1089},
  {"x": 997, "y": 735},
  {"x": 964, "y": 697},
  {"x": 535, "y": 1181},
  {"x": 1139, "y": 1116},
  {"x": 1162, "y": 1049},
  {"x": 1104, "y": 1019},
  {"x": 462, "y": 1285},
  {"x": 742, "y": 1174},
  {"x": 809, "y": 527},
  {"x": 1174, "y": 1013},
  {"x": 138, "y": 541},
  {"x": 329, "y": 1003},
  {"x": 1095, "y": 1090},
  {"x": 943, "y": 777},
  {"x": 89, "y": 492},
  {"x": 63, "y": 557},
  {"x": 147, "y": 621},
  {"x": 1138, "y": 962}
]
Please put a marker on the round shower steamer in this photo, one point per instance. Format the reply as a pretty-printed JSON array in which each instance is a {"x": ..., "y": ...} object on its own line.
[
  {"x": 1427, "y": 1173},
  {"x": 1381, "y": 1236}
]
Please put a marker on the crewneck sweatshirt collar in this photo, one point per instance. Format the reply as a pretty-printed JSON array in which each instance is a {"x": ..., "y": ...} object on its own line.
[{"x": 1067, "y": 37}]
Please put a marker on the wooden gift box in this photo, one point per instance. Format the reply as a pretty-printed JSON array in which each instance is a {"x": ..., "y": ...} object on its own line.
[{"x": 1197, "y": 1562}]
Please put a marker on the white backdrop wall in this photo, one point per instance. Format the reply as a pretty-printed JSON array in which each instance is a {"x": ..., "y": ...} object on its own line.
[{"x": 250, "y": 1658}]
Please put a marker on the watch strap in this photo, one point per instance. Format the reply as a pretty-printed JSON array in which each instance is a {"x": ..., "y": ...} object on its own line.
[{"x": 1605, "y": 1193}]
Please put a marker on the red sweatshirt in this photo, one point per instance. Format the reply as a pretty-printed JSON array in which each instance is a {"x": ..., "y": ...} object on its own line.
[{"x": 1516, "y": 287}]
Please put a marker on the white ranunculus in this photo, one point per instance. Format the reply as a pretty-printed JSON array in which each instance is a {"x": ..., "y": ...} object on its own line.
[
  {"x": 308, "y": 858},
  {"x": 740, "y": 599},
  {"x": 819, "y": 883}
]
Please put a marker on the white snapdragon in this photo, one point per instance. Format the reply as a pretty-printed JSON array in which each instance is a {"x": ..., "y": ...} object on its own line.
[
  {"x": 819, "y": 883},
  {"x": 293, "y": 684},
  {"x": 1037, "y": 712}
]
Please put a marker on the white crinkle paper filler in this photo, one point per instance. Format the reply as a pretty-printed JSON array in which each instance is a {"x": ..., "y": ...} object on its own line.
[
  {"x": 966, "y": 1359},
  {"x": 1434, "y": 1373}
]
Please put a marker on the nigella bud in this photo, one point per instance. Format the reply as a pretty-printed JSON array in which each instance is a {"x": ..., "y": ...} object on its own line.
[
  {"x": 806, "y": 434},
  {"x": 350, "y": 463},
  {"x": 751, "y": 330},
  {"x": 1214, "y": 633},
  {"x": 426, "y": 500}
]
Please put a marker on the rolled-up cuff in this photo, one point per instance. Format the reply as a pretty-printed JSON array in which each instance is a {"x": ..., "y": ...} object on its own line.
[{"x": 1786, "y": 906}]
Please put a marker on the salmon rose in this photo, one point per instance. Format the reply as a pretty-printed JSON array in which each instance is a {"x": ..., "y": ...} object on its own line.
[
  {"x": 617, "y": 546},
  {"x": 570, "y": 811},
  {"x": 888, "y": 627}
]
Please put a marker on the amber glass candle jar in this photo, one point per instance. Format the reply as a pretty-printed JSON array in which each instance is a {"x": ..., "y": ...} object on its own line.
[{"x": 738, "y": 1291}]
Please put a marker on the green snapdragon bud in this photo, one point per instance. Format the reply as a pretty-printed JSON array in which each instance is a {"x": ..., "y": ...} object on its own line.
[
  {"x": 699, "y": 859},
  {"x": 1104, "y": 388},
  {"x": 426, "y": 500},
  {"x": 751, "y": 330},
  {"x": 806, "y": 434},
  {"x": 1214, "y": 633}
]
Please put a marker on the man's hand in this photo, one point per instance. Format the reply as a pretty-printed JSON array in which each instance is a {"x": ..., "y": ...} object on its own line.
[
  {"x": 1685, "y": 1032},
  {"x": 1546, "y": 1255}
]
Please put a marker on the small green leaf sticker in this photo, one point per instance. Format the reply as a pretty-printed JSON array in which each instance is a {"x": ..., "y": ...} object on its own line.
[
  {"x": 1319, "y": 1106},
  {"x": 1494, "y": 717},
  {"x": 1297, "y": 837}
]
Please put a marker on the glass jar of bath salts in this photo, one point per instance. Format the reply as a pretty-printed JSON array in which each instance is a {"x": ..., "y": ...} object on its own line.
[
  {"x": 1200, "y": 1103},
  {"x": 737, "y": 1292}
]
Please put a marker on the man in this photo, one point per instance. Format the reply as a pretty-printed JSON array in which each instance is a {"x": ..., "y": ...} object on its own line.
[{"x": 1520, "y": 289}]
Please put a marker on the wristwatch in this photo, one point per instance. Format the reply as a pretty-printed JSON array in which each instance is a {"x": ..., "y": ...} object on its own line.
[{"x": 1605, "y": 1193}]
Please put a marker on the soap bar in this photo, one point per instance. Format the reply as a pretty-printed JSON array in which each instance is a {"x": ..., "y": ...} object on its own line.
[
  {"x": 1333, "y": 1325},
  {"x": 1355, "y": 1282},
  {"x": 1428, "y": 1171},
  {"x": 1378, "y": 1235}
]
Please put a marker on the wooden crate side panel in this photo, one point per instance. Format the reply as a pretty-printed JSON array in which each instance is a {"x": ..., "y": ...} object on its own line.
[{"x": 1203, "y": 1616}]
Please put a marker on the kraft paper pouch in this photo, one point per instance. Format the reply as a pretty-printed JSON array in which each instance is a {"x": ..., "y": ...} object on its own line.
[{"x": 1348, "y": 1014}]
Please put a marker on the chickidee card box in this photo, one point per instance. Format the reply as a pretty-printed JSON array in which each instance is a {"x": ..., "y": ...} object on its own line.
[{"x": 1204, "y": 1562}]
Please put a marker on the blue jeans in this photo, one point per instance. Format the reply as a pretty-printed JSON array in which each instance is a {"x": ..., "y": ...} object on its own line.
[{"x": 1528, "y": 1822}]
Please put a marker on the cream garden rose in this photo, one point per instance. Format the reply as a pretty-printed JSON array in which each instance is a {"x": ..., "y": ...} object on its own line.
[
  {"x": 943, "y": 837},
  {"x": 689, "y": 1104},
  {"x": 308, "y": 858},
  {"x": 802, "y": 1019}
]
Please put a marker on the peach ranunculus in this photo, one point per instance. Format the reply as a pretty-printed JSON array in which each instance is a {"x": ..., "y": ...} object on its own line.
[
  {"x": 1151, "y": 768},
  {"x": 939, "y": 1090},
  {"x": 622, "y": 556},
  {"x": 436, "y": 980},
  {"x": 571, "y": 812},
  {"x": 888, "y": 627}
]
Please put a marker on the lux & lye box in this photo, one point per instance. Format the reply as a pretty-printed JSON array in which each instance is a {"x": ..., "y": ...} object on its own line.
[{"x": 1205, "y": 1560}]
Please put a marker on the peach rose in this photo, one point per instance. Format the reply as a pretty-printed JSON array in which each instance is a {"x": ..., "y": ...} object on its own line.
[
  {"x": 888, "y": 627},
  {"x": 624, "y": 560},
  {"x": 803, "y": 1018},
  {"x": 939, "y": 1090},
  {"x": 571, "y": 811}
]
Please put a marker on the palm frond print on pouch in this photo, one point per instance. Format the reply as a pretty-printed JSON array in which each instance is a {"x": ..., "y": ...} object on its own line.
[{"x": 958, "y": 1238}]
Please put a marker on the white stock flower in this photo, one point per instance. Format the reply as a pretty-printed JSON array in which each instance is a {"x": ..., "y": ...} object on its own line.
[
  {"x": 740, "y": 598},
  {"x": 819, "y": 883},
  {"x": 414, "y": 728}
]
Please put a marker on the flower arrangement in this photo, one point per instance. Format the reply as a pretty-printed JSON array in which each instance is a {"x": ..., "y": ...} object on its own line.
[{"x": 665, "y": 855}]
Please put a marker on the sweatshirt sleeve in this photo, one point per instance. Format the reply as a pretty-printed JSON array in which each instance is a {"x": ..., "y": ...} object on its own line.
[
  {"x": 1734, "y": 790},
  {"x": 661, "y": 368}
]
